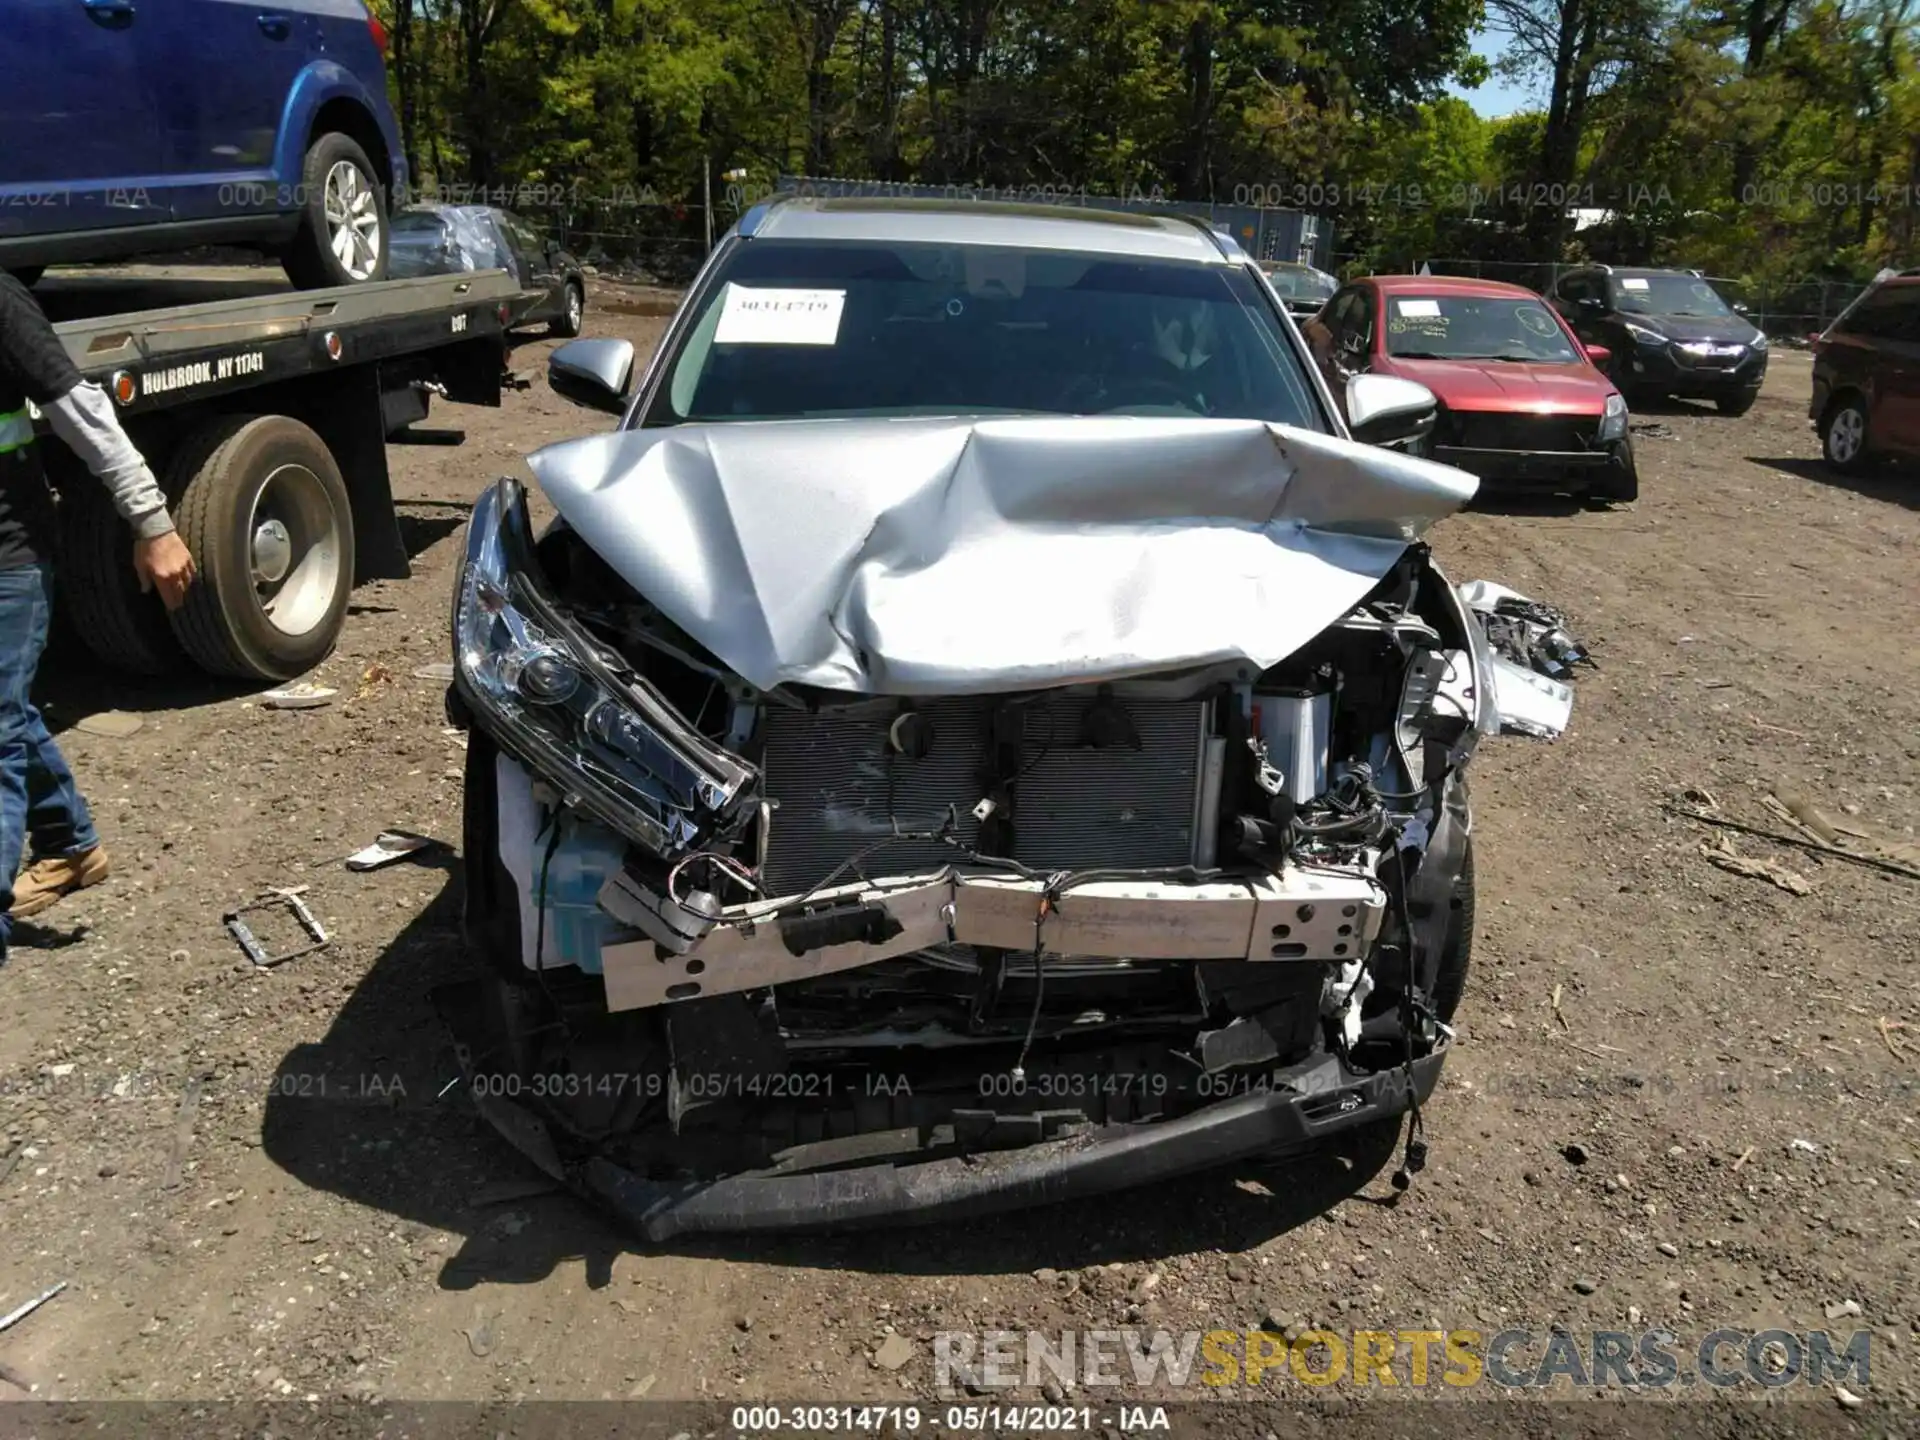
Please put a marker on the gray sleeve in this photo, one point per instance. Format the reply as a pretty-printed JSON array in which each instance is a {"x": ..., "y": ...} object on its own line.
[{"x": 83, "y": 418}]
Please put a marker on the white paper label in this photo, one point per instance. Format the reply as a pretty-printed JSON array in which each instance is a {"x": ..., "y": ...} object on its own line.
[
  {"x": 750, "y": 316},
  {"x": 1632, "y": 282},
  {"x": 1418, "y": 309}
]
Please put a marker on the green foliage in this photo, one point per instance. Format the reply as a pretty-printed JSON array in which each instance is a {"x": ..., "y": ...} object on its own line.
[{"x": 1758, "y": 137}]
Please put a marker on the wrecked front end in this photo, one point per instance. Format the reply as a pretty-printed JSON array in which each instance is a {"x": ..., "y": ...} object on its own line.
[{"x": 942, "y": 937}]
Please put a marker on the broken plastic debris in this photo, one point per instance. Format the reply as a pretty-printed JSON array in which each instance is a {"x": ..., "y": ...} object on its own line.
[
  {"x": 114, "y": 724},
  {"x": 439, "y": 670},
  {"x": 298, "y": 697},
  {"x": 391, "y": 845}
]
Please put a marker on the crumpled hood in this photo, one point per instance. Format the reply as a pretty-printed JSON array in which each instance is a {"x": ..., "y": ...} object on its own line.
[{"x": 921, "y": 557}]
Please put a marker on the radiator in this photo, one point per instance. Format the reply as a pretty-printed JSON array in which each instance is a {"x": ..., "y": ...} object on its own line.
[{"x": 839, "y": 788}]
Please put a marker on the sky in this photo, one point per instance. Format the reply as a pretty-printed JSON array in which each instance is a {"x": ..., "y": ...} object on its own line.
[{"x": 1498, "y": 96}]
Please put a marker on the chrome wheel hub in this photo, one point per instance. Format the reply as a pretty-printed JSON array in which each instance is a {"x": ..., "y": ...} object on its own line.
[
  {"x": 272, "y": 553},
  {"x": 1847, "y": 433},
  {"x": 352, "y": 207},
  {"x": 295, "y": 550}
]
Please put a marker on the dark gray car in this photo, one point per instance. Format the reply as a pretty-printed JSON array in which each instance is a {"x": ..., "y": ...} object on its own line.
[
  {"x": 440, "y": 239},
  {"x": 1668, "y": 332}
]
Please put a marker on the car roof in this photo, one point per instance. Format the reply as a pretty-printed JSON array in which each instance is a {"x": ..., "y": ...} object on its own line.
[
  {"x": 1135, "y": 233},
  {"x": 1465, "y": 285}
]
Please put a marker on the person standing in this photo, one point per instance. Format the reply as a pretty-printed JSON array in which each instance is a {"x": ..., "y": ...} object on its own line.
[{"x": 43, "y": 818}]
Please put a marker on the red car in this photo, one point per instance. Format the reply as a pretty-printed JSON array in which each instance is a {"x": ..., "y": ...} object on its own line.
[
  {"x": 1866, "y": 377},
  {"x": 1523, "y": 404}
]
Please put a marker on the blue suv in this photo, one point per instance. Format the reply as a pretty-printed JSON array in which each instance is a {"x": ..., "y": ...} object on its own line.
[{"x": 128, "y": 126}]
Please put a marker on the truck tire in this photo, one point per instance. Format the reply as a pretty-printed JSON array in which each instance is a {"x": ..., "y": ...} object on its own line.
[
  {"x": 268, "y": 520},
  {"x": 342, "y": 239},
  {"x": 123, "y": 627}
]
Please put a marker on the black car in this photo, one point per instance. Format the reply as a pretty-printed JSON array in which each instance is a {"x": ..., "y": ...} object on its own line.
[
  {"x": 1669, "y": 333},
  {"x": 440, "y": 239}
]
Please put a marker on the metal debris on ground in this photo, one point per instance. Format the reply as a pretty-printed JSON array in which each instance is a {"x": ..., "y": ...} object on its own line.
[
  {"x": 298, "y": 697},
  {"x": 238, "y": 928},
  {"x": 114, "y": 724},
  {"x": 1653, "y": 429},
  {"x": 15, "y": 1316},
  {"x": 1720, "y": 853},
  {"x": 392, "y": 845}
]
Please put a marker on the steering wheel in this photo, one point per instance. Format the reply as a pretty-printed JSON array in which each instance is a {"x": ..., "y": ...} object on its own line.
[{"x": 1139, "y": 390}]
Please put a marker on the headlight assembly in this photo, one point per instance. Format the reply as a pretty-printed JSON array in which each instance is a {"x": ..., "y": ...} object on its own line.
[
  {"x": 1759, "y": 342},
  {"x": 1613, "y": 421},
  {"x": 1643, "y": 336},
  {"x": 549, "y": 694}
]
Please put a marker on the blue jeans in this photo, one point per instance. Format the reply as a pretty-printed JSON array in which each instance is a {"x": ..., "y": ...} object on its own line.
[{"x": 38, "y": 799}]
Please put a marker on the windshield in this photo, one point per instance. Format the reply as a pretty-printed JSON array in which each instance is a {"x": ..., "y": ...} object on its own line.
[
  {"x": 791, "y": 329},
  {"x": 1473, "y": 327},
  {"x": 1302, "y": 282},
  {"x": 1667, "y": 295},
  {"x": 416, "y": 226}
]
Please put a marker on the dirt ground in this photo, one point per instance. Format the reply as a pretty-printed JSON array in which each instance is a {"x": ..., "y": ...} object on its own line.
[{"x": 259, "y": 1184}]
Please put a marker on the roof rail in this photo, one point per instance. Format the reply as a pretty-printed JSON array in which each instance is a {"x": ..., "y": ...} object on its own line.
[{"x": 1224, "y": 242}]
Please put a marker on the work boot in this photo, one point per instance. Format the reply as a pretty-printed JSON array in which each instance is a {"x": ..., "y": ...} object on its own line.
[{"x": 43, "y": 882}]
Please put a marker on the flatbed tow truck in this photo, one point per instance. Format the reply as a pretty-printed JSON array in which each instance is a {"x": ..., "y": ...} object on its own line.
[{"x": 266, "y": 419}]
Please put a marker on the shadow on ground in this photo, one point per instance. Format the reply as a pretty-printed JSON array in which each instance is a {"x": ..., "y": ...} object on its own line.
[
  {"x": 368, "y": 1114},
  {"x": 71, "y": 685},
  {"x": 1897, "y": 485},
  {"x": 1525, "y": 503}
]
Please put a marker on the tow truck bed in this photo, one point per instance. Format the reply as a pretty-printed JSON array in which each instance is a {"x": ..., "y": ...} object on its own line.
[{"x": 266, "y": 419}]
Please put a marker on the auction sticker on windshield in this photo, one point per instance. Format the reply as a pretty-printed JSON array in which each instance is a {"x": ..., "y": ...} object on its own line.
[
  {"x": 1632, "y": 282},
  {"x": 751, "y": 316},
  {"x": 1418, "y": 309}
]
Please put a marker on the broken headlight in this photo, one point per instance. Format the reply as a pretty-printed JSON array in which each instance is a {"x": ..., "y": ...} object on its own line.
[
  {"x": 550, "y": 695},
  {"x": 1613, "y": 423}
]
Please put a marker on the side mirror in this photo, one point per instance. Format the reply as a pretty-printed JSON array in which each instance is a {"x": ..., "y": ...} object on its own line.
[
  {"x": 1599, "y": 355},
  {"x": 594, "y": 373},
  {"x": 1740, "y": 309},
  {"x": 1386, "y": 410},
  {"x": 1589, "y": 305}
]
